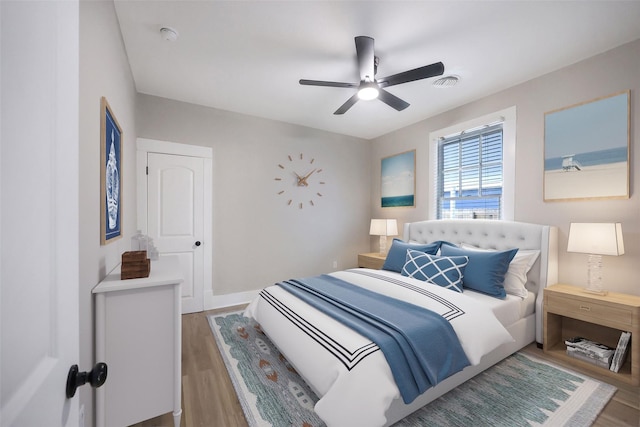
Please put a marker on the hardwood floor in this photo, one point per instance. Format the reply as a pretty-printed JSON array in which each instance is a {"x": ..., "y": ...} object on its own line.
[
  {"x": 208, "y": 397},
  {"x": 209, "y": 400}
]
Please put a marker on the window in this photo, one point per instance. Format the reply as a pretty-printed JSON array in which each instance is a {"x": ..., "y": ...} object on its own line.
[
  {"x": 473, "y": 168},
  {"x": 470, "y": 174}
]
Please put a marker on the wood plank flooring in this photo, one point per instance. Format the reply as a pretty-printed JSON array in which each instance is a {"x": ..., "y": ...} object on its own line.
[{"x": 209, "y": 400}]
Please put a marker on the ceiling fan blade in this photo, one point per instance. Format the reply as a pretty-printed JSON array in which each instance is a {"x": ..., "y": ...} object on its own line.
[
  {"x": 392, "y": 100},
  {"x": 344, "y": 107},
  {"x": 325, "y": 83},
  {"x": 425, "y": 72},
  {"x": 364, "y": 50}
]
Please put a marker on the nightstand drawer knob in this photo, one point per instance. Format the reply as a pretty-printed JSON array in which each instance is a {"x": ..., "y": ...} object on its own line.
[{"x": 585, "y": 308}]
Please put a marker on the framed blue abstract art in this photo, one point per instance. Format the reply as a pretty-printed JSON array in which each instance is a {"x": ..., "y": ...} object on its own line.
[
  {"x": 110, "y": 175},
  {"x": 398, "y": 173}
]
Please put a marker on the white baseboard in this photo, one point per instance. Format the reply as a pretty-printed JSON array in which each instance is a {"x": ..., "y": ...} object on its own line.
[{"x": 220, "y": 301}]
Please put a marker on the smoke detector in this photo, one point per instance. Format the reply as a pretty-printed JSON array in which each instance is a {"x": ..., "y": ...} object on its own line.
[
  {"x": 168, "y": 34},
  {"x": 446, "y": 81}
]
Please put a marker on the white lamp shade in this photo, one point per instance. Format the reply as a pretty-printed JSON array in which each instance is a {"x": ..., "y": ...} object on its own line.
[
  {"x": 596, "y": 238},
  {"x": 383, "y": 227}
]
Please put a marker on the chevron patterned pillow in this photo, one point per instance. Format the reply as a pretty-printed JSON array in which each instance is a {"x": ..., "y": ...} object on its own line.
[{"x": 439, "y": 270}]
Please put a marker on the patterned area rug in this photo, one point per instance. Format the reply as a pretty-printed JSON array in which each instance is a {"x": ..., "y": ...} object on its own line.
[{"x": 518, "y": 391}]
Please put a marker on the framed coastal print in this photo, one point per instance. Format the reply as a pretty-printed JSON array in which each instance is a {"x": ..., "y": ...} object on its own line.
[
  {"x": 586, "y": 150},
  {"x": 398, "y": 175},
  {"x": 110, "y": 175}
]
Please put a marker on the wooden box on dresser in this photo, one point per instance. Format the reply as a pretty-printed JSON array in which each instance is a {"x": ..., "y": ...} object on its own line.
[{"x": 570, "y": 312}]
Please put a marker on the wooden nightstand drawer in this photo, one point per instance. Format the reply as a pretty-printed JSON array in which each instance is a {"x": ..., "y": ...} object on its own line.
[
  {"x": 374, "y": 260},
  {"x": 596, "y": 312}
]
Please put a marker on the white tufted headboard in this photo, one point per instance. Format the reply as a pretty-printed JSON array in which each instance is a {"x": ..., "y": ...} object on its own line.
[{"x": 501, "y": 235}]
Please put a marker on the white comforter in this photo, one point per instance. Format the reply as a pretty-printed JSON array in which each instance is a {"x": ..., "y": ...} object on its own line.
[{"x": 346, "y": 370}]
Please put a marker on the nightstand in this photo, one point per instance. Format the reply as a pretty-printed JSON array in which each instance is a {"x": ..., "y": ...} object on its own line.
[
  {"x": 570, "y": 312},
  {"x": 373, "y": 260}
]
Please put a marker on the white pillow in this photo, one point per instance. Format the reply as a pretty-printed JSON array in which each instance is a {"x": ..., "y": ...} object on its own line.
[{"x": 516, "y": 277}]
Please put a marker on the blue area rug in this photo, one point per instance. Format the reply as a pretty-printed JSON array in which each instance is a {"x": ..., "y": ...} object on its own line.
[{"x": 518, "y": 391}]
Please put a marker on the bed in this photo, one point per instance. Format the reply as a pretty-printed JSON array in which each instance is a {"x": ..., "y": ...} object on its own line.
[{"x": 353, "y": 379}]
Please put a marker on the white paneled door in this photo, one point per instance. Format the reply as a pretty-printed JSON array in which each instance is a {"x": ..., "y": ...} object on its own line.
[
  {"x": 39, "y": 168},
  {"x": 175, "y": 218}
]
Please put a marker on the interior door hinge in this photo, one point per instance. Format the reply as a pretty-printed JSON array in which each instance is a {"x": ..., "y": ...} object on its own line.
[{"x": 147, "y": 170}]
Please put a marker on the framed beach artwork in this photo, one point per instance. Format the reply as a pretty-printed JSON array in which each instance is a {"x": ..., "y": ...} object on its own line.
[
  {"x": 110, "y": 175},
  {"x": 398, "y": 175},
  {"x": 586, "y": 150}
]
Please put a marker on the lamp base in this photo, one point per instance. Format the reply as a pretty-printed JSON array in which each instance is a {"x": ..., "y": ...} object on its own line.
[
  {"x": 383, "y": 245},
  {"x": 594, "y": 275},
  {"x": 595, "y": 291}
]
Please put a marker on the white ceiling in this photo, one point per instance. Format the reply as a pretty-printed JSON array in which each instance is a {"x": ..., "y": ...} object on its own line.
[{"x": 247, "y": 56}]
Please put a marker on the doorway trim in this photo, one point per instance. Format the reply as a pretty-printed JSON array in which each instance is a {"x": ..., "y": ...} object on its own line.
[{"x": 144, "y": 147}]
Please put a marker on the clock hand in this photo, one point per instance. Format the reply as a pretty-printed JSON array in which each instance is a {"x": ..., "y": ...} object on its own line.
[
  {"x": 300, "y": 179},
  {"x": 304, "y": 179}
]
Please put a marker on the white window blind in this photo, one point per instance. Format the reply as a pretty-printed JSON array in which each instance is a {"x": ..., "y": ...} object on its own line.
[{"x": 470, "y": 178}]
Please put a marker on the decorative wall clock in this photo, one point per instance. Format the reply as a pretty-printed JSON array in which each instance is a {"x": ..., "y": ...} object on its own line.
[{"x": 300, "y": 181}]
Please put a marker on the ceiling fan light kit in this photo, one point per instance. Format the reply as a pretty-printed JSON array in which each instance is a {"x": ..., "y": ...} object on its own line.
[
  {"x": 371, "y": 88},
  {"x": 368, "y": 91}
]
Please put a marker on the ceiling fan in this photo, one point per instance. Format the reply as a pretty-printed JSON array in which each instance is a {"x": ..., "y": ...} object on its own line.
[{"x": 372, "y": 88}]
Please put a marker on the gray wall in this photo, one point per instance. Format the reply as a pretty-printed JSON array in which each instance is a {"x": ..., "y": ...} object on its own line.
[
  {"x": 611, "y": 72},
  {"x": 257, "y": 238},
  {"x": 104, "y": 71}
]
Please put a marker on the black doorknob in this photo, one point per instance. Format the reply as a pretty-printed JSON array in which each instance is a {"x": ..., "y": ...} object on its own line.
[
  {"x": 198, "y": 243},
  {"x": 95, "y": 377}
]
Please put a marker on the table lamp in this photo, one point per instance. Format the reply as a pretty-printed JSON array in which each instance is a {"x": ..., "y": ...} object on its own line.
[
  {"x": 383, "y": 228},
  {"x": 595, "y": 239}
]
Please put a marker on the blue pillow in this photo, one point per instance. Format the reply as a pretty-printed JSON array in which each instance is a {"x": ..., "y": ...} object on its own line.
[
  {"x": 444, "y": 242},
  {"x": 485, "y": 271},
  {"x": 398, "y": 253},
  {"x": 439, "y": 270}
]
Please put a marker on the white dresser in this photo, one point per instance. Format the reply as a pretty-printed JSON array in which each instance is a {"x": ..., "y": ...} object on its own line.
[{"x": 138, "y": 336}]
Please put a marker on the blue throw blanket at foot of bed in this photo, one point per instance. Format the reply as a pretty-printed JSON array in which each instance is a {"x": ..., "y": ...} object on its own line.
[{"x": 420, "y": 346}]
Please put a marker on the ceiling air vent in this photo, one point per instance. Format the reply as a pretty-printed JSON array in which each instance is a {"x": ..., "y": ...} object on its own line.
[{"x": 446, "y": 81}]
